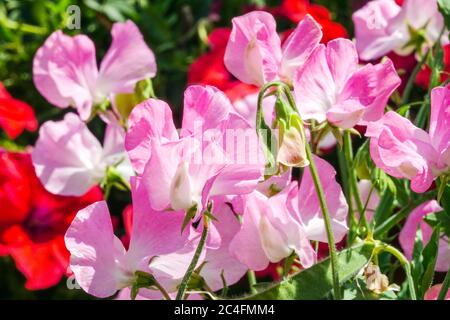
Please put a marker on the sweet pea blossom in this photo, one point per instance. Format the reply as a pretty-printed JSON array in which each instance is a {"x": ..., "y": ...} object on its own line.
[
  {"x": 69, "y": 159},
  {"x": 183, "y": 171},
  {"x": 65, "y": 69},
  {"x": 101, "y": 264},
  {"x": 331, "y": 86},
  {"x": 408, "y": 234},
  {"x": 405, "y": 151},
  {"x": 254, "y": 53},
  {"x": 382, "y": 26},
  {"x": 275, "y": 227}
]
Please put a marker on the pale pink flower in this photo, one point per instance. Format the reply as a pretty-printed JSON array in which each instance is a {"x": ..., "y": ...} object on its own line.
[
  {"x": 405, "y": 151},
  {"x": 254, "y": 53},
  {"x": 69, "y": 159},
  {"x": 382, "y": 26},
  {"x": 416, "y": 220},
  {"x": 183, "y": 171},
  {"x": 331, "y": 86},
  {"x": 65, "y": 68},
  {"x": 275, "y": 227},
  {"x": 101, "y": 264}
]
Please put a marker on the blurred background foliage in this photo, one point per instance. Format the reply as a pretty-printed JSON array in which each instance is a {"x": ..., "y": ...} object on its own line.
[{"x": 176, "y": 30}]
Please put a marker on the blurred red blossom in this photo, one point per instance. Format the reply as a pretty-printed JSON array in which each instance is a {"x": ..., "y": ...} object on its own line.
[
  {"x": 296, "y": 10},
  {"x": 33, "y": 221},
  {"x": 15, "y": 115}
]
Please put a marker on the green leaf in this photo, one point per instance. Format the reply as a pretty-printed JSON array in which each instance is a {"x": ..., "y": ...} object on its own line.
[
  {"x": 316, "y": 282},
  {"x": 444, "y": 8}
]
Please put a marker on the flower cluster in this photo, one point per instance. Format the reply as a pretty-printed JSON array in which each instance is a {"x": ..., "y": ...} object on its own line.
[{"x": 247, "y": 180}]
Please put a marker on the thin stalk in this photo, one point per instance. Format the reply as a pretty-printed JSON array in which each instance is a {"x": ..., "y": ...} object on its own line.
[
  {"x": 445, "y": 286},
  {"x": 323, "y": 204},
  {"x": 193, "y": 264},
  {"x": 410, "y": 84},
  {"x": 252, "y": 281},
  {"x": 348, "y": 153}
]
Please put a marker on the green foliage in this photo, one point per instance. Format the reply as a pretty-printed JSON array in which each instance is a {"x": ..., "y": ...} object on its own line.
[
  {"x": 316, "y": 282},
  {"x": 444, "y": 8}
]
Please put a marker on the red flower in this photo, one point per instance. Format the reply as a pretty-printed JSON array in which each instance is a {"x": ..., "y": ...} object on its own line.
[
  {"x": 15, "y": 115},
  {"x": 423, "y": 78},
  {"x": 33, "y": 221},
  {"x": 295, "y": 10}
]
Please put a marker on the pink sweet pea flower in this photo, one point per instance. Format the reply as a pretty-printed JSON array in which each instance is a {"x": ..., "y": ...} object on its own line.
[
  {"x": 65, "y": 68},
  {"x": 405, "y": 151},
  {"x": 254, "y": 53},
  {"x": 382, "y": 26},
  {"x": 100, "y": 262},
  {"x": 408, "y": 234},
  {"x": 275, "y": 227},
  {"x": 402, "y": 150},
  {"x": 331, "y": 86},
  {"x": 69, "y": 159},
  {"x": 184, "y": 170}
]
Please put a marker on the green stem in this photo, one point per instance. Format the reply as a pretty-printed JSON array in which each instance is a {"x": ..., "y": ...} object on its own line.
[
  {"x": 410, "y": 84},
  {"x": 193, "y": 264},
  {"x": 354, "y": 190},
  {"x": 251, "y": 281},
  {"x": 380, "y": 246},
  {"x": 445, "y": 286},
  {"x": 322, "y": 201},
  {"x": 28, "y": 28}
]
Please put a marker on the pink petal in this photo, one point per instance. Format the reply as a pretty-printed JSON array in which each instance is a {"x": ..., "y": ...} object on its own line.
[
  {"x": 65, "y": 72},
  {"x": 127, "y": 60},
  {"x": 220, "y": 261},
  {"x": 347, "y": 114},
  {"x": 151, "y": 119},
  {"x": 372, "y": 85},
  {"x": 205, "y": 107},
  {"x": 246, "y": 246},
  {"x": 95, "y": 251},
  {"x": 159, "y": 172},
  {"x": 314, "y": 86},
  {"x": 307, "y": 206},
  {"x": 375, "y": 29},
  {"x": 440, "y": 123},
  {"x": 433, "y": 293},
  {"x": 342, "y": 60},
  {"x": 299, "y": 46},
  {"x": 402, "y": 150},
  {"x": 408, "y": 234},
  {"x": 76, "y": 168},
  {"x": 253, "y": 51}
]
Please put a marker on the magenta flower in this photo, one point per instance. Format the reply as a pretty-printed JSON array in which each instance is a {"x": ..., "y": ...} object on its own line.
[
  {"x": 382, "y": 26},
  {"x": 254, "y": 53},
  {"x": 405, "y": 151},
  {"x": 408, "y": 234},
  {"x": 65, "y": 68},
  {"x": 331, "y": 86},
  {"x": 69, "y": 159},
  {"x": 275, "y": 227}
]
